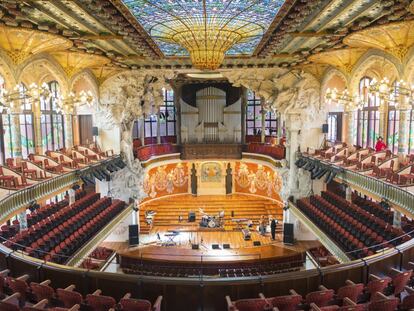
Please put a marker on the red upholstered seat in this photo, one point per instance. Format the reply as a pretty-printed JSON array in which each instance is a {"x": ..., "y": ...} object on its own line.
[
  {"x": 400, "y": 281},
  {"x": 18, "y": 286},
  {"x": 129, "y": 304},
  {"x": 100, "y": 303},
  {"x": 350, "y": 291},
  {"x": 42, "y": 291},
  {"x": 5, "y": 306},
  {"x": 320, "y": 298},
  {"x": 388, "y": 304},
  {"x": 69, "y": 297},
  {"x": 255, "y": 304},
  {"x": 286, "y": 303},
  {"x": 407, "y": 303}
]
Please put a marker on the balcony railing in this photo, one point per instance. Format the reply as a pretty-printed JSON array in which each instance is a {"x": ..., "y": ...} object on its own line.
[
  {"x": 24, "y": 197},
  {"x": 377, "y": 187}
]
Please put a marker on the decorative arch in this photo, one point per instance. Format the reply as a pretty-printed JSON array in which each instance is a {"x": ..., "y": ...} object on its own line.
[
  {"x": 409, "y": 67},
  {"x": 89, "y": 78},
  {"x": 330, "y": 74},
  {"x": 7, "y": 71},
  {"x": 52, "y": 71},
  {"x": 375, "y": 63}
]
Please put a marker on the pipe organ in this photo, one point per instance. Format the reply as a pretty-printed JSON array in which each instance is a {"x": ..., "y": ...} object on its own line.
[{"x": 211, "y": 121}]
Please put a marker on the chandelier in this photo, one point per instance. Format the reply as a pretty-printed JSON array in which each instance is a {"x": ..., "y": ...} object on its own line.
[
  {"x": 399, "y": 92},
  {"x": 343, "y": 98},
  {"x": 15, "y": 100}
]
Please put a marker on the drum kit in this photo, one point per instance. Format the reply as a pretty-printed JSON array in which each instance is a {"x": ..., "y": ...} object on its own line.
[{"x": 208, "y": 221}]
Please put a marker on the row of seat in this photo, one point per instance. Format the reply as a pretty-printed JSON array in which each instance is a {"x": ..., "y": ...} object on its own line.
[
  {"x": 53, "y": 225},
  {"x": 378, "y": 225},
  {"x": 82, "y": 229},
  {"x": 379, "y": 294},
  {"x": 42, "y": 296},
  {"x": 36, "y": 214}
]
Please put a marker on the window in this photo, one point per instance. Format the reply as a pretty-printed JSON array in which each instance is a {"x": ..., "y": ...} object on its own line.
[
  {"x": 7, "y": 136},
  {"x": 334, "y": 126},
  {"x": 411, "y": 134},
  {"x": 367, "y": 118},
  {"x": 26, "y": 124},
  {"x": 167, "y": 118},
  {"x": 254, "y": 117},
  {"x": 51, "y": 122}
]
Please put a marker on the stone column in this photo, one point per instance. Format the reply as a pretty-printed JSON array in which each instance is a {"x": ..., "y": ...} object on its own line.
[
  {"x": 37, "y": 129},
  {"x": 16, "y": 134},
  {"x": 142, "y": 131},
  {"x": 243, "y": 114},
  {"x": 68, "y": 130},
  {"x": 158, "y": 127},
  {"x": 263, "y": 136},
  {"x": 294, "y": 127},
  {"x": 349, "y": 119},
  {"x": 177, "y": 104},
  {"x": 279, "y": 126},
  {"x": 403, "y": 131},
  {"x": 383, "y": 121}
]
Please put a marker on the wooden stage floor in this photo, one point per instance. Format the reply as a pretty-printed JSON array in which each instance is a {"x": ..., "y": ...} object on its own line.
[{"x": 153, "y": 241}]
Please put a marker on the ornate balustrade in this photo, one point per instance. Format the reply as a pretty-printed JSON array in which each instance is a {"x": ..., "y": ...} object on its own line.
[
  {"x": 377, "y": 187},
  {"x": 24, "y": 197},
  {"x": 277, "y": 152}
]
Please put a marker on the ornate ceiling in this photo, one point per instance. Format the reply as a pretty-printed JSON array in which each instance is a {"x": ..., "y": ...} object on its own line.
[{"x": 284, "y": 33}]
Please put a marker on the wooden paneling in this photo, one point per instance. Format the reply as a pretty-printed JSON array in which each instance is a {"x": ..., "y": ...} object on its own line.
[{"x": 211, "y": 151}]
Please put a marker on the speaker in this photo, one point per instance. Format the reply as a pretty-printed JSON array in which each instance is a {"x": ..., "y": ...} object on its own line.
[
  {"x": 226, "y": 246},
  {"x": 215, "y": 246},
  {"x": 95, "y": 131},
  {"x": 133, "y": 235},
  {"x": 325, "y": 128},
  {"x": 191, "y": 217},
  {"x": 256, "y": 243},
  {"x": 195, "y": 246},
  {"x": 288, "y": 237}
]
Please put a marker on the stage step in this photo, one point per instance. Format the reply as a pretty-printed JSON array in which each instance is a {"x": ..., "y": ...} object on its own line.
[{"x": 169, "y": 209}]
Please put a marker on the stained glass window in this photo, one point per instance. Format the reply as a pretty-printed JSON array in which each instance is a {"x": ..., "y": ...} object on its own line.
[
  {"x": 26, "y": 125},
  {"x": 332, "y": 127},
  {"x": 368, "y": 117},
  {"x": 51, "y": 122},
  {"x": 167, "y": 118},
  {"x": 393, "y": 125},
  {"x": 7, "y": 136},
  {"x": 164, "y": 19},
  {"x": 254, "y": 117}
]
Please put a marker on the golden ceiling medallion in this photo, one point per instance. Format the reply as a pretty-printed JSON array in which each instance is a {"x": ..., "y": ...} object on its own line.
[
  {"x": 394, "y": 38},
  {"x": 73, "y": 62},
  {"x": 20, "y": 43},
  {"x": 343, "y": 59}
]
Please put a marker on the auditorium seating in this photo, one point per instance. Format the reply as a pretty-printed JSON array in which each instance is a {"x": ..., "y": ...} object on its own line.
[
  {"x": 20, "y": 295},
  {"x": 379, "y": 294},
  {"x": 57, "y": 232},
  {"x": 356, "y": 230},
  {"x": 322, "y": 256}
]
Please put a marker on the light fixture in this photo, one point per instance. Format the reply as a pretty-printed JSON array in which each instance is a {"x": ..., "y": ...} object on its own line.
[
  {"x": 343, "y": 98},
  {"x": 395, "y": 93}
]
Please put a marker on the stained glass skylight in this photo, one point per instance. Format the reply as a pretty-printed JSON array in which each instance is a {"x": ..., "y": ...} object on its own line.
[{"x": 171, "y": 22}]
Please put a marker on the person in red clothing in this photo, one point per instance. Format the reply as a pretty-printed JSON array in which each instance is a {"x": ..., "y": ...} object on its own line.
[{"x": 380, "y": 145}]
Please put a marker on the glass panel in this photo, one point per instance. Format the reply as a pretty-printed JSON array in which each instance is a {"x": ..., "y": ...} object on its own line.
[{"x": 7, "y": 138}]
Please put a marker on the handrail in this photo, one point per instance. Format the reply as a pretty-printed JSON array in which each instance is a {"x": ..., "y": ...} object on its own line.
[
  {"x": 25, "y": 196},
  {"x": 380, "y": 188}
]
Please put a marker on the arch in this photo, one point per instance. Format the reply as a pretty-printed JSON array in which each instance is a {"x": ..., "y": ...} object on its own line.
[
  {"x": 89, "y": 78},
  {"x": 49, "y": 70},
  {"x": 7, "y": 71},
  {"x": 409, "y": 67},
  {"x": 377, "y": 64},
  {"x": 330, "y": 74}
]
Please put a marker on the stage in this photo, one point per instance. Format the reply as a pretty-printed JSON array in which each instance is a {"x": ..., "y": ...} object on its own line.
[{"x": 174, "y": 241}]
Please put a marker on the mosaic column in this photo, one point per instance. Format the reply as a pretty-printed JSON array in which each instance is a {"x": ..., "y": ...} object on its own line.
[
  {"x": 141, "y": 131},
  {"x": 177, "y": 104},
  {"x": 263, "y": 134},
  {"x": 158, "y": 128},
  {"x": 243, "y": 114},
  {"x": 403, "y": 131},
  {"x": 350, "y": 127},
  {"x": 383, "y": 120},
  {"x": 68, "y": 130},
  {"x": 37, "y": 128},
  {"x": 16, "y": 134}
]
